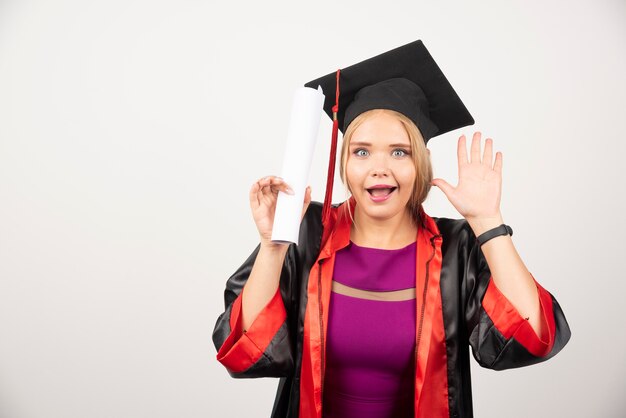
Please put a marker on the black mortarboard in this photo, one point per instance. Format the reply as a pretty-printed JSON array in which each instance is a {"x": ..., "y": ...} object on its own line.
[{"x": 405, "y": 79}]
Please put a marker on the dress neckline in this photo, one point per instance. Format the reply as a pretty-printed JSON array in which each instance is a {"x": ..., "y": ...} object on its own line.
[{"x": 372, "y": 249}]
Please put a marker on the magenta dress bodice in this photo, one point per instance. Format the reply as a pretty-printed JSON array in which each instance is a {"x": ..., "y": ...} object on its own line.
[{"x": 371, "y": 343}]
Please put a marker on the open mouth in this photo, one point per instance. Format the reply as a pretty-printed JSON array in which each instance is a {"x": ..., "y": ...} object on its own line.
[{"x": 381, "y": 192}]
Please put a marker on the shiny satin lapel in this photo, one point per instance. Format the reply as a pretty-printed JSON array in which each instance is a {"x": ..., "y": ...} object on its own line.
[
  {"x": 428, "y": 269},
  {"x": 319, "y": 287},
  {"x": 327, "y": 275},
  {"x": 308, "y": 381}
]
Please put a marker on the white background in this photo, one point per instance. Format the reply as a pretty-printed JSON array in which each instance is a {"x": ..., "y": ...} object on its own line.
[{"x": 131, "y": 132}]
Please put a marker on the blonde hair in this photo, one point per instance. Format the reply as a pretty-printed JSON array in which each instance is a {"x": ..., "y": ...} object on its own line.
[{"x": 419, "y": 154}]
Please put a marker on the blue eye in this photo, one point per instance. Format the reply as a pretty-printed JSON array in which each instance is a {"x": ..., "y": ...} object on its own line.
[
  {"x": 404, "y": 152},
  {"x": 356, "y": 152}
]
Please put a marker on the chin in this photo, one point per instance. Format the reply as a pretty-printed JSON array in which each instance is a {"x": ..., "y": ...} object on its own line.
[{"x": 386, "y": 209}]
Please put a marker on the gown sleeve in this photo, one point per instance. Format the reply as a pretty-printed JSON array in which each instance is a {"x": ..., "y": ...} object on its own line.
[
  {"x": 266, "y": 348},
  {"x": 499, "y": 336}
]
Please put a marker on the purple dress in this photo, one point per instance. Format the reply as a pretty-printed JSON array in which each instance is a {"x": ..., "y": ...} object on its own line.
[{"x": 371, "y": 343}]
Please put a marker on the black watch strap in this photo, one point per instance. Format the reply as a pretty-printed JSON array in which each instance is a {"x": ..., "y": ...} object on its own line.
[{"x": 495, "y": 232}]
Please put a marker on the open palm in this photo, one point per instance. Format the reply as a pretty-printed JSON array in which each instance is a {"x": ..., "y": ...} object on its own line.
[{"x": 478, "y": 191}]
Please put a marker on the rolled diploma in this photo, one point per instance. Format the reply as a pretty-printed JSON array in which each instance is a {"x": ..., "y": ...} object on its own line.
[{"x": 304, "y": 123}]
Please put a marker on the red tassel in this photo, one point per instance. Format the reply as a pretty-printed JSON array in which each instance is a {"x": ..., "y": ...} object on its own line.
[{"x": 331, "y": 168}]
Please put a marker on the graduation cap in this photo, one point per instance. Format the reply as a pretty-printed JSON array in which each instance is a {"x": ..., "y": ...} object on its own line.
[{"x": 406, "y": 79}]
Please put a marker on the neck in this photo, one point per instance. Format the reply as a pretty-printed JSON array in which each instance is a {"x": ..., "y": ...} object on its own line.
[{"x": 391, "y": 233}]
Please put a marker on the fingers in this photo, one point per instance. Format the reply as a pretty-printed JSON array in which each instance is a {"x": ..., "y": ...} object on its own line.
[
  {"x": 273, "y": 184},
  {"x": 445, "y": 187},
  {"x": 254, "y": 198},
  {"x": 488, "y": 154},
  {"x": 307, "y": 201},
  {"x": 270, "y": 185},
  {"x": 498, "y": 164},
  {"x": 461, "y": 151},
  {"x": 475, "y": 151}
]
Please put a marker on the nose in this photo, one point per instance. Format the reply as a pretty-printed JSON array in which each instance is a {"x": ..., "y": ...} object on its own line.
[
  {"x": 380, "y": 172},
  {"x": 379, "y": 165}
]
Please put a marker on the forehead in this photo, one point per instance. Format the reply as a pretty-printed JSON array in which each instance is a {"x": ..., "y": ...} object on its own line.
[{"x": 381, "y": 129}]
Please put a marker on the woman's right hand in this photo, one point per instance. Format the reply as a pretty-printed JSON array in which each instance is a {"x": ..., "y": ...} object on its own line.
[{"x": 263, "y": 197}]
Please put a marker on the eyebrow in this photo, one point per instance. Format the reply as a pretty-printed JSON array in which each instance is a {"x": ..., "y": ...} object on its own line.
[{"x": 367, "y": 144}]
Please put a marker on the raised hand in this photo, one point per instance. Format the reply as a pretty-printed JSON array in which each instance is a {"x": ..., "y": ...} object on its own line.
[
  {"x": 477, "y": 194},
  {"x": 263, "y": 197}
]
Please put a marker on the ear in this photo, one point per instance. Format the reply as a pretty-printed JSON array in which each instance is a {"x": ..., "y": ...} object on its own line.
[{"x": 428, "y": 151}]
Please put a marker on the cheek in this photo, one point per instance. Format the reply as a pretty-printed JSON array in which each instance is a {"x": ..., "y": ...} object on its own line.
[
  {"x": 407, "y": 174},
  {"x": 355, "y": 173}
]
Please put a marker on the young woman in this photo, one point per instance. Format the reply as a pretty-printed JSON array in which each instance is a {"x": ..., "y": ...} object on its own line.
[{"x": 373, "y": 312}]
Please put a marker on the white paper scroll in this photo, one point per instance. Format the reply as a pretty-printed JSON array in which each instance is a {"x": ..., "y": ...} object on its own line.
[{"x": 304, "y": 123}]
